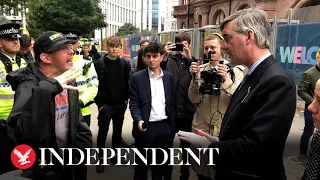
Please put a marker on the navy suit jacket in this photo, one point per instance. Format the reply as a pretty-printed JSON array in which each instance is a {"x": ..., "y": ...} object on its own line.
[{"x": 140, "y": 96}]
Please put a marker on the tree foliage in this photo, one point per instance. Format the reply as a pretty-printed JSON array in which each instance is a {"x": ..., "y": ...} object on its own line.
[
  {"x": 127, "y": 29},
  {"x": 4, "y": 20},
  {"x": 56, "y": 15},
  {"x": 10, "y": 3},
  {"x": 153, "y": 32}
]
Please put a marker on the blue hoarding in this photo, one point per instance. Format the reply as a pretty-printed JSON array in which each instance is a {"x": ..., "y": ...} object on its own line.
[{"x": 296, "y": 47}]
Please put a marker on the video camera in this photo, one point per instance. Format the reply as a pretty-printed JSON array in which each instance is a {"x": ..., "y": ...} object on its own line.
[{"x": 211, "y": 80}]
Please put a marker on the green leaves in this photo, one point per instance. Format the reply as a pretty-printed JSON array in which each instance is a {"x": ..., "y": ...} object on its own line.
[
  {"x": 127, "y": 29},
  {"x": 45, "y": 15}
]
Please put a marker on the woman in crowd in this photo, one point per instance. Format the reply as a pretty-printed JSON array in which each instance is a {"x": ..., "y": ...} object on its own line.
[
  {"x": 312, "y": 171},
  {"x": 140, "y": 64}
]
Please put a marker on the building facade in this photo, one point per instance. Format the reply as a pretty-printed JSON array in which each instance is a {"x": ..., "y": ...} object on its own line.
[
  {"x": 118, "y": 12},
  {"x": 12, "y": 14},
  {"x": 212, "y": 12},
  {"x": 156, "y": 15},
  {"x": 166, "y": 20}
]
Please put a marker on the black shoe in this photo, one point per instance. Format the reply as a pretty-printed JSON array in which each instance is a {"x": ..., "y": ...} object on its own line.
[
  {"x": 100, "y": 169},
  {"x": 124, "y": 144}
]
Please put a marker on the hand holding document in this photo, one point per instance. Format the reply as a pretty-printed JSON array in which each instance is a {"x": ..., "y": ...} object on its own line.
[{"x": 195, "y": 139}]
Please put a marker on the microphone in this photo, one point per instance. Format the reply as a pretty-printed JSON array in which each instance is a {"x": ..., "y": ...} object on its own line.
[
  {"x": 144, "y": 125},
  {"x": 210, "y": 53}
]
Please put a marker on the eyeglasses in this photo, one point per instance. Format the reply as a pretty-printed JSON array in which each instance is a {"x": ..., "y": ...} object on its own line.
[{"x": 70, "y": 46}]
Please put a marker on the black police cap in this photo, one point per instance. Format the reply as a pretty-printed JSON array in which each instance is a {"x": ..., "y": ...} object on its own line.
[
  {"x": 72, "y": 34},
  {"x": 10, "y": 30}
]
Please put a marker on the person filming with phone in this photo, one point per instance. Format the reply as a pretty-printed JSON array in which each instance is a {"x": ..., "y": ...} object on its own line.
[
  {"x": 211, "y": 89},
  {"x": 177, "y": 60}
]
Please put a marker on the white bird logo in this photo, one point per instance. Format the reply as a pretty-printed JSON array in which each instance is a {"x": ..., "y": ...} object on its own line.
[{"x": 22, "y": 158}]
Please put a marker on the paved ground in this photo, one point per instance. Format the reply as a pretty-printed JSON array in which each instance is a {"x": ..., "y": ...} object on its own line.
[{"x": 293, "y": 163}]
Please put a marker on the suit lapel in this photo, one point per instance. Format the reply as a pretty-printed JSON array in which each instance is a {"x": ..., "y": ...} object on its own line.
[
  {"x": 147, "y": 80},
  {"x": 166, "y": 86},
  {"x": 251, "y": 82}
]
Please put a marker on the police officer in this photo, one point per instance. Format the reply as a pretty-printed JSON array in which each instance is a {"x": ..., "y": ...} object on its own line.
[
  {"x": 88, "y": 84},
  {"x": 9, "y": 61},
  {"x": 89, "y": 80}
]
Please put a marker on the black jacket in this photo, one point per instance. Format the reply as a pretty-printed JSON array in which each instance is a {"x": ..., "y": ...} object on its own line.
[
  {"x": 32, "y": 119},
  {"x": 103, "y": 67},
  {"x": 140, "y": 97},
  {"x": 179, "y": 66},
  {"x": 256, "y": 125}
]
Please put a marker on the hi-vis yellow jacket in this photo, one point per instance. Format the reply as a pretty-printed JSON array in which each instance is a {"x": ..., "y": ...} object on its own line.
[
  {"x": 88, "y": 83},
  {"x": 6, "y": 93}
]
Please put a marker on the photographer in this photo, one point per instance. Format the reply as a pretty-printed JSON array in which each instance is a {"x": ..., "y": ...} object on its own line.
[
  {"x": 212, "y": 103},
  {"x": 178, "y": 64}
]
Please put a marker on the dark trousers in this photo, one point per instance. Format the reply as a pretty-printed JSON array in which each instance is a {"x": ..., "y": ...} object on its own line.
[
  {"x": 81, "y": 170},
  {"x": 157, "y": 135},
  {"x": 307, "y": 131},
  {"x": 116, "y": 113},
  {"x": 87, "y": 119},
  {"x": 6, "y": 147},
  {"x": 184, "y": 124}
]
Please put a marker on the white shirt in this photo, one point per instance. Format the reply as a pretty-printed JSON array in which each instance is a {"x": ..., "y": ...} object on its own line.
[
  {"x": 158, "y": 100},
  {"x": 11, "y": 58}
]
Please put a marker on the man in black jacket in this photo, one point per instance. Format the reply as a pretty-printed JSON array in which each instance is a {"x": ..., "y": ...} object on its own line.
[
  {"x": 46, "y": 110},
  {"x": 179, "y": 64},
  {"x": 113, "y": 94}
]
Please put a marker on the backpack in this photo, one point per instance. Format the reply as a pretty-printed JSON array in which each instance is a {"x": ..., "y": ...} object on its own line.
[{"x": 100, "y": 67}]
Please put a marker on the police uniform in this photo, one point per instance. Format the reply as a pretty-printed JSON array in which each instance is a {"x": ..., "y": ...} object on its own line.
[
  {"x": 7, "y": 64},
  {"x": 88, "y": 84}
]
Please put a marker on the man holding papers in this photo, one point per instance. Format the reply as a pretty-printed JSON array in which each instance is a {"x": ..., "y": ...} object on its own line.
[{"x": 259, "y": 116}]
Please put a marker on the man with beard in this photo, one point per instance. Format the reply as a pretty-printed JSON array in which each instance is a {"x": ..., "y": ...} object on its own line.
[{"x": 9, "y": 47}]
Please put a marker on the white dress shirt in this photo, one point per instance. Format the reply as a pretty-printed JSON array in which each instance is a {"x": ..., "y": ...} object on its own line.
[
  {"x": 11, "y": 58},
  {"x": 158, "y": 100},
  {"x": 256, "y": 64}
]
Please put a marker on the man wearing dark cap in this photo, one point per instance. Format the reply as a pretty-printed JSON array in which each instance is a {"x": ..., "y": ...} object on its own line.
[
  {"x": 46, "y": 109},
  {"x": 25, "y": 46},
  {"x": 9, "y": 46}
]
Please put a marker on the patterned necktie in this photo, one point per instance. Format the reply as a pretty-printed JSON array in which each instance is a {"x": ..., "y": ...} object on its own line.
[
  {"x": 243, "y": 81},
  {"x": 312, "y": 171}
]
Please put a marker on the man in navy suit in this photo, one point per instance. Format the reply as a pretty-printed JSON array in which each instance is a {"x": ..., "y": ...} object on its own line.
[
  {"x": 152, "y": 109},
  {"x": 257, "y": 122}
]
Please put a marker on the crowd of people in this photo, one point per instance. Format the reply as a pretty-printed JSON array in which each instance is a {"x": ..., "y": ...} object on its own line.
[{"x": 47, "y": 87}]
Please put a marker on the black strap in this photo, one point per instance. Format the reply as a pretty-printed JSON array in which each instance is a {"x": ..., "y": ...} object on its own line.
[{"x": 100, "y": 67}]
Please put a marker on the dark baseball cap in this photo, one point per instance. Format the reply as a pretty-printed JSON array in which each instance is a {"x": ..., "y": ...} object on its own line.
[{"x": 48, "y": 42}]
